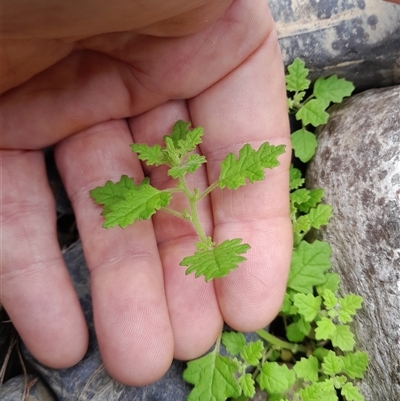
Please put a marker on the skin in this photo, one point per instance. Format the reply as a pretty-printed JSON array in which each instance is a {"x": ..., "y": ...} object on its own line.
[{"x": 92, "y": 80}]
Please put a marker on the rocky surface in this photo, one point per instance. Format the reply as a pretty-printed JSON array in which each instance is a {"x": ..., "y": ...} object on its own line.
[
  {"x": 358, "y": 165},
  {"x": 13, "y": 390},
  {"x": 356, "y": 39}
]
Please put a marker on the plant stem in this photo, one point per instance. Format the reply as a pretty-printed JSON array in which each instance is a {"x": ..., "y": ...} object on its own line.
[
  {"x": 208, "y": 190},
  {"x": 294, "y": 348},
  {"x": 174, "y": 213},
  {"x": 193, "y": 199}
]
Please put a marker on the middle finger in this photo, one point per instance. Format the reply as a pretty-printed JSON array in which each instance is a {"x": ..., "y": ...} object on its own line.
[{"x": 129, "y": 306}]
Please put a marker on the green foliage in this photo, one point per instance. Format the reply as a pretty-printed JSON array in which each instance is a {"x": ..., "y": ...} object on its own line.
[
  {"x": 218, "y": 261},
  {"x": 125, "y": 202},
  {"x": 316, "y": 359},
  {"x": 312, "y": 110},
  {"x": 249, "y": 165}
]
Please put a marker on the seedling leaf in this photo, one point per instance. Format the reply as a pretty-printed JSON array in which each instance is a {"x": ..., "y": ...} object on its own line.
[
  {"x": 275, "y": 378},
  {"x": 252, "y": 352},
  {"x": 233, "y": 341},
  {"x": 216, "y": 262},
  {"x": 343, "y": 338},
  {"x": 304, "y": 144},
  {"x": 213, "y": 378},
  {"x": 332, "y": 364},
  {"x": 351, "y": 392},
  {"x": 320, "y": 215},
  {"x": 250, "y": 164},
  {"x": 247, "y": 384},
  {"x": 325, "y": 329},
  {"x": 307, "y": 368},
  {"x": 297, "y": 80},
  {"x": 313, "y": 112},
  {"x": 190, "y": 165},
  {"x": 309, "y": 262},
  {"x": 124, "y": 202},
  {"x": 332, "y": 89},
  {"x": 348, "y": 307},
  {"x": 308, "y": 305},
  {"x": 355, "y": 364}
]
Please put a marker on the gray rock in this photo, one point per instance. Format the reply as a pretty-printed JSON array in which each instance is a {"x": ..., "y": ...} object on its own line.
[
  {"x": 358, "y": 165},
  {"x": 13, "y": 390},
  {"x": 356, "y": 39}
]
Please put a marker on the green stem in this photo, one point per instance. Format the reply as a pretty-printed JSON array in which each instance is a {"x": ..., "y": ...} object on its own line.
[
  {"x": 294, "y": 348},
  {"x": 174, "y": 213},
  {"x": 193, "y": 199},
  {"x": 208, "y": 190}
]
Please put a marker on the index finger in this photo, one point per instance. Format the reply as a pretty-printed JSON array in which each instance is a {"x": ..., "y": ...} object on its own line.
[{"x": 249, "y": 106}]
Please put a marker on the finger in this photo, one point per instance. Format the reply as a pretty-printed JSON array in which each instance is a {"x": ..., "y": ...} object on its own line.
[
  {"x": 129, "y": 306},
  {"x": 36, "y": 289},
  {"x": 193, "y": 308},
  {"x": 135, "y": 74},
  {"x": 249, "y": 106},
  {"x": 88, "y": 18}
]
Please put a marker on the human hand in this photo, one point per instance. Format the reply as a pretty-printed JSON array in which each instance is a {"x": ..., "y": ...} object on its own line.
[{"x": 90, "y": 94}]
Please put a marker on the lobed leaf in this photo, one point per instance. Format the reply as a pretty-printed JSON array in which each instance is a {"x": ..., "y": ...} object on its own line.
[
  {"x": 355, "y": 364},
  {"x": 233, "y": 341},
  {"x": 320, "y": 215},
  {"x": 249, "y": 165},
  {"x": 252, "y": 352},
  {"x": 275, "y": 378},
  {"x": 152, "y": 155},
  {"x": 332, "y": 89},
  {"x": 190, "y": 165},
  {"x": 294, "y": 334},
  {"x": 296, "y": 179},
  {"x": 309, "y": 263},
  {"x": 351, "y": 392},
  {"x": 325, "y": 329},
  {"x": 213, "y": 377},
  {"x": 330, "y": 299},
  {"x": 124, "y": 202},
  {"x": 332, "y": 283},
  {"x": 315, "y": 196},
  {"x": 332, "y": 364},
  {"x": 216, "y": 262},
  {"x": 307, "y": 368},
  {"x": 308, "y": 305},
  {"x": 348, "y": 307},
  {"x": 319, "y": 391},
  {"x": 247, "y": 384},
  {"x": 313, "y": 112},
  {"x": 296, "y": 79},
  {"x": 343, "y": 338},
  {"x": 300, "y": 196}
]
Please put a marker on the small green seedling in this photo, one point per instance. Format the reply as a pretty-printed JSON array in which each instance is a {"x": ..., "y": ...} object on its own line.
[
  {"x": 125, "y": 202},
  {"x": 314, "y": 360},
  {"x": 312, "y": 110}
]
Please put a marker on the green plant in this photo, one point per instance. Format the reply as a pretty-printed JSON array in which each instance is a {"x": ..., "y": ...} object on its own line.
[
  {"x": 316, "y": 359},
  {"x": 126, "y": 202}
]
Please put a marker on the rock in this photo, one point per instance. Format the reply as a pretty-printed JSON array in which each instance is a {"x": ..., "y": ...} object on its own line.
[
  {"x": 356, "y": 39},
  {"x": 88, "y": 380},
  {"x": 358, "y": 165},
  {"x": 13, "y": 389}
]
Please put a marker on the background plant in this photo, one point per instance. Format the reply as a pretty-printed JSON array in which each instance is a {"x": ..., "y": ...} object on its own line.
[{"x": 315, "y": 358}]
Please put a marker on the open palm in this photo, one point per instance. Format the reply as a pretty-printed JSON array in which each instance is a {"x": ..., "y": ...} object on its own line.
[{"x": 111, "y": 90}]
